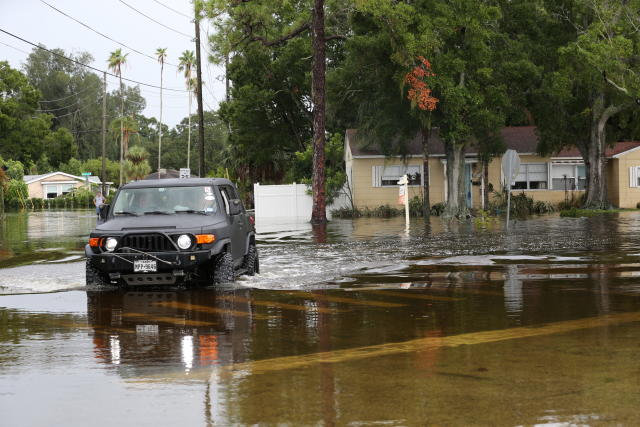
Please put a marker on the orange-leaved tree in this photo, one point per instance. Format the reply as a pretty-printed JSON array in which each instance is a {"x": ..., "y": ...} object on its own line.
[{"x": 420, "y": 96}]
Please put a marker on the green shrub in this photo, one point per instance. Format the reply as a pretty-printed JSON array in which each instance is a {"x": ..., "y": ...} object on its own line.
[
  {"x": 438, "y": 209},
  {"x": 16, "y": 194},
  {"x": 346, "y": 213},
  {"x": 415, "y": 206}
]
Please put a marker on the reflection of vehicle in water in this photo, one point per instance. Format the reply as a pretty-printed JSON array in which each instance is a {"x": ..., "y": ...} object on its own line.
[
  {"x": 172, "y": 231},
  {"x": 154, "y": 332}
]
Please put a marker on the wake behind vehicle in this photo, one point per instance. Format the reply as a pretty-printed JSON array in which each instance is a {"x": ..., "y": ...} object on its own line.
[{"x": 172, "y": 231}]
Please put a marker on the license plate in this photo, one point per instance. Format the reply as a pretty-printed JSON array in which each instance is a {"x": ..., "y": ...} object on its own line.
[{"x": 144, "y": 266}]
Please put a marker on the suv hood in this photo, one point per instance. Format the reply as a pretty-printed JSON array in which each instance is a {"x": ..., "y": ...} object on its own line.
[{"x": 148, "y": 222}]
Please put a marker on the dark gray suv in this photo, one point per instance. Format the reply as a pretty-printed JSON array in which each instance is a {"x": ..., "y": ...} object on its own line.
[{"x": 172, "y": 231}]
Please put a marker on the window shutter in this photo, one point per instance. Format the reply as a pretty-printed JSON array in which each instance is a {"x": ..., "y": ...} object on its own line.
[
  {"x": 375, "y": 176},
  {"x": 633, "y": 177}
]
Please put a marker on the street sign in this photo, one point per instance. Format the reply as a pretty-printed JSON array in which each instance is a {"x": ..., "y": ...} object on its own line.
[
  {"x": 510, "y": 166},
  {"x": 86, "y": 173},
  {"x": 510, "y": 169},
  {"x": 401, "y": 195},
  {"x": 185, "y": 173}
]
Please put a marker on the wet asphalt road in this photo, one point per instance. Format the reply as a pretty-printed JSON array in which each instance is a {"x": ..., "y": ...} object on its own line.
[{"x": 362, "y": 324}]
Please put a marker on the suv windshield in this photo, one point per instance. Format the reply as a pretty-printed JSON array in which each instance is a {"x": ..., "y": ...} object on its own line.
[{"x": 165, "y": 200}]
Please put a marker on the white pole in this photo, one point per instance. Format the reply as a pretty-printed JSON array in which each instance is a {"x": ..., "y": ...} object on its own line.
[
  {"x": 508, "y": 204},
  {"x": 406, "y": 200}
]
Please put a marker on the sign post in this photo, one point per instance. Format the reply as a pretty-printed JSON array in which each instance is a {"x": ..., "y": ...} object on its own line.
[
  {"x": 403, "y": 196},
  {"x": 510, "y": 169},
  {"x": 87, "y": 175}
]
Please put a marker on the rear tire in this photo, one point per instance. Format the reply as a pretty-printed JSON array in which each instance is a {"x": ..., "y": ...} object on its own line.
[
  {"x": 223, "y": 269},
  {"x": 94, "y": 277},
  {"x": 251, "y": 264}
]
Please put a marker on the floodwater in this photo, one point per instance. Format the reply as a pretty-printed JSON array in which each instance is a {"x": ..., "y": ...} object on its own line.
[{"x": 361, "y": 324}]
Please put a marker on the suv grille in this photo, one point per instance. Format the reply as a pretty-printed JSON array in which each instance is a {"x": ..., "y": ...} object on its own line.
[{"x": 148, "y": 242}]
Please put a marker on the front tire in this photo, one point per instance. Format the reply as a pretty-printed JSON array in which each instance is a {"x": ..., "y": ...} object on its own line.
[
  {"x": 223, "y": 269},
  {"x": 94, "y": 277}
]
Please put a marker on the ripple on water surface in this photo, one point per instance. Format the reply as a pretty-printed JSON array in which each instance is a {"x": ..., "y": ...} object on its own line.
[{"x": 296, "y": 255}]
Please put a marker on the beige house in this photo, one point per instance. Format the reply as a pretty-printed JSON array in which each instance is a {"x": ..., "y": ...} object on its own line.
[
  {"x": 54, "y": 184},
  {"x": 372, "y": 176}
]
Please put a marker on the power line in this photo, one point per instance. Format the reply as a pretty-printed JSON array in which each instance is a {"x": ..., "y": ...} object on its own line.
[
  {"x": 69, "y": 96},
  {"x": 13, "y": 47},
  {"x": 173, "y": 10},
  {"x": 157, "y": 22},
  {"x": 104, "y": 35},
  {"x": 73, "y": 112},
  {"x": 89, "y": 66},
  {"x": 57, "y": 109}
]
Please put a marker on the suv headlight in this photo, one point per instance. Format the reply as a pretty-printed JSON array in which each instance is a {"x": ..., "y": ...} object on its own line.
[
  {"x": 184, "y": 241},
  {"x": 110, "y": 244}
]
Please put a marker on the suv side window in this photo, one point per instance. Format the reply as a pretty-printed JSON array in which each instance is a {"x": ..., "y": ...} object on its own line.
[{"x": 225, "y": 198}]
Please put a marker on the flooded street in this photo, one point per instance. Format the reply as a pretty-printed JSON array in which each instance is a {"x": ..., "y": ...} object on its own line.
[{"x": 450, "y": 323}]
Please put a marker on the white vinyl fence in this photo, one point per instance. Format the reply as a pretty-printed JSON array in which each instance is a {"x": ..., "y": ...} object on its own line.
[{"x": 289, "y": 201}]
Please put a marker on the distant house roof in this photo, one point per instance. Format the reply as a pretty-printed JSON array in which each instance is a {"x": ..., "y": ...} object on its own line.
[
  {"x": 28, "y": 179},
  {"x": 523, "y": 139},
  {"x": 610, "y": 152},
  {"x": 164, "y": 174}
]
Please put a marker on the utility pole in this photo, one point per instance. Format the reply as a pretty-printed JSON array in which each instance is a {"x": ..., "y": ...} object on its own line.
[
  {"x": 201, "y": 171},
  {"x": 103, "y": 172},
  {"x": 160, "y": 129},
  {"x": 226, "y": 76}
]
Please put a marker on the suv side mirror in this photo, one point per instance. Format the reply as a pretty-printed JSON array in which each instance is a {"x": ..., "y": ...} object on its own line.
[
  {"x": 235, "y": 207},
  {"x": 104, "y": 212}
]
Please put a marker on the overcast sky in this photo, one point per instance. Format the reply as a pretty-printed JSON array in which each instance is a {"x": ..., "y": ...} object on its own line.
[{"x": 36, "y": 22}]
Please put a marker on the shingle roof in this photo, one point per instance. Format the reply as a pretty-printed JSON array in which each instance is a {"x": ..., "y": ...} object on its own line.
[
  {"x": 618, "y": 148},
  {"x": 523, "y": 139}
]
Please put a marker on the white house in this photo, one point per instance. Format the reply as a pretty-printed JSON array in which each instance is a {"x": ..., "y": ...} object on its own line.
[{"x": 54, "y": 184}]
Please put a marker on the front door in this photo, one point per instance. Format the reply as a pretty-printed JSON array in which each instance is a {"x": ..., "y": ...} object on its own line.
[
  {"x": 237, "y": 222},
  {"x": 467, "y": 185}
]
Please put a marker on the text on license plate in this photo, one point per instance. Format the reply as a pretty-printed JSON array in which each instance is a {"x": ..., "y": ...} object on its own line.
[{"x": 144, "y": 265}]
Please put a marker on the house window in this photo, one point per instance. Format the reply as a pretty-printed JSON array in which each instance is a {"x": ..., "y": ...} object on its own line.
[
  {"x": 531, "y": 176},
  {"x": 634, "y": 177},
  {"x": 51, "y": 191},
  {"x": 388, "y": 176},
  {"x": 568, "y": 176},
  {"x": 66, "y": 188}
]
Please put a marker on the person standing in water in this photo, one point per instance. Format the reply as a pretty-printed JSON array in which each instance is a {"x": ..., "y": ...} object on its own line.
[{"x": 98, "y": 201}]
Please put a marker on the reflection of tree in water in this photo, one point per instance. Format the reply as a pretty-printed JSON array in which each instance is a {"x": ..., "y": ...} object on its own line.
[{"x": 319, "y": 233}]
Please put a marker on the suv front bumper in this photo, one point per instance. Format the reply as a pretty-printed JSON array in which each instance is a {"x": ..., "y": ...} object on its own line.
[{"x": 177, "y": 263}]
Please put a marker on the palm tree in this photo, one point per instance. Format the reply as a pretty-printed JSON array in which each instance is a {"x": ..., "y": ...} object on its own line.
[
  {"x": 129, "y": 126},
  {"x": 137, "y": 166},
  {"x": 161, "y": 53},
  {"x": 186, "y": 64},
  {"x": 115, "y": 63}
]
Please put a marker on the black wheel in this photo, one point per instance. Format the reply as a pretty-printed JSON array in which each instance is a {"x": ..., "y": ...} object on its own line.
[
  {"x": 251, "y": 264},
  {"x": 94, "y": 277},
  {"x": 223, "y": 269}
]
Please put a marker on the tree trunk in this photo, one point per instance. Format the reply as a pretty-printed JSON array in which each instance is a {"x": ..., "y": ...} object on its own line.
[
  {"x": 594, "y": 154},
  {"x": 160, "y": 133},
  {"x": 122, "y": 153},
  {"x": 189, "y": 128},
  {"x": 426, "y": 202},
  {"x": 201, "y": 165},
  {"x": 456, "y": 198},
  {"x": 485, "y": 193},
  {"x": 318, "y": 215}
]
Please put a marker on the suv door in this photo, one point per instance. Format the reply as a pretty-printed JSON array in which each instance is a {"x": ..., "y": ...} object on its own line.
[{"x": 237, "y": 222}]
